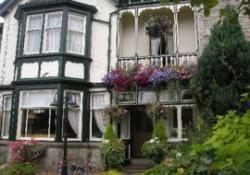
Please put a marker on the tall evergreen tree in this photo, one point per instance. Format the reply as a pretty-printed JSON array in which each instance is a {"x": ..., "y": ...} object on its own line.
[{"x": 223, "y": 68}]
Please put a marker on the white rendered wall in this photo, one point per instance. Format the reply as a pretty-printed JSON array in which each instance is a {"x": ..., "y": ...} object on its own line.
[{"x": 8, "y": 48}]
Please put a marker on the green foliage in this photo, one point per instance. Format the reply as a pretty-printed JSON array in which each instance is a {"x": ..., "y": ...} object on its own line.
[
  {"x": 112, "y": 149},
  {"x": 159, "y": 130},
  {"x": 20, "y": 169},
  {"x": 157, "y": 147},
  {"x": 112, "y": 153},
  {"x": 112, "y": 172},
  {"x": 223, "y": 69},
  {"x": 109, "y": 133},
  {"x": 227, "y": 151}
]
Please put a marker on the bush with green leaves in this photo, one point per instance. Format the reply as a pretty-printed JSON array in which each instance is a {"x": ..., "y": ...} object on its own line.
[
  {"x": 227, "y": 150},
  {"x": 112, "y": 149},
  {"x": 157, "y": 147},
  {"x": 223, "y": 68},
  {"x": 19, "y": 169}
]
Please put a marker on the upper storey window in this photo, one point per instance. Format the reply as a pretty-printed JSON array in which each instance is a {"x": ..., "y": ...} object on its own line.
[
  {"x": 76, "y": 33},
  {"x": 33, "y": 34},
  {"x": 54, "y": 28},
  {"x": 51, "y": 33}
]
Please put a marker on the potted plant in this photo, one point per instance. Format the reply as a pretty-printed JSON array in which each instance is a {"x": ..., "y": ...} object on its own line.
[{"x": 156, "y": 28}]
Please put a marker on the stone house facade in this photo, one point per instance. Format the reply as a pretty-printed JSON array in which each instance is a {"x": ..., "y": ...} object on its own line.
[{"x": 53, "y": 48}]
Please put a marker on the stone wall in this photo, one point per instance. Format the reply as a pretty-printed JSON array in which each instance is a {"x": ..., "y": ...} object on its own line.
[
  {"x": 205, "y": 24},
  {"x": 78, "y": 153}
]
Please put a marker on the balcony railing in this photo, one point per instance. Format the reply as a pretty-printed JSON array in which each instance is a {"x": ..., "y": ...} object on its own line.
[{"x": 159, "y": 60}]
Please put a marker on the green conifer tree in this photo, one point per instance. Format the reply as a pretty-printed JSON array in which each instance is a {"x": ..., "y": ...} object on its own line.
[{"x": 223, "y": 68}]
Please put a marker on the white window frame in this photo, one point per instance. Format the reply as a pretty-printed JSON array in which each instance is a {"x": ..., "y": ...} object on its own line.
[
  {"x": 107, "y": 101},
  {"x": 25, "y": 52},
  {"x": 179, "y": 129},
  {"x": 4, "y": 110},
  {"x": 20, "y": 108},
  {"x": 80, "y": 16},
  {"x": 80, "y": 108},
  {"x": 46, "y": 29}
]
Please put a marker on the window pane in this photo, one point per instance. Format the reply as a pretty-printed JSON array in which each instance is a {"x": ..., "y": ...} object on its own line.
[
  {"x": 6, "y": 116},
  {"x": 74, "y": 70},
  {"x": 76, "y": 34},
  {"x": 76, "y": 22},
  {"x": 73, "y": 123},
  {"x": 33, "y": 34},
  {"x": 98, "y": 117},
  {"x": 29, "y": 70},
  {"x": 54, "y": 20},
  {"x": 52, "y": 32},
  {"x": 49, "y": 69},
  {"x": 34, "y": 22},
  {"x": 75, "y": 42},
  {"x": 33, "y": 41},
  {"x": 39, "y": 124}
]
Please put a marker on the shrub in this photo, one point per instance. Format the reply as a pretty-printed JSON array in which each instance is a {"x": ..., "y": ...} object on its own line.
[
  {"x": 223, "y": 68},
  {"x": 21, "y": 169},
  {"x": 26, "y": 151},
  {"x": 157, "y": 147},
  {"x": 228, "y": 148},
  {"x": 109, "y": 133},
  {"x": 112, "y": 149}
]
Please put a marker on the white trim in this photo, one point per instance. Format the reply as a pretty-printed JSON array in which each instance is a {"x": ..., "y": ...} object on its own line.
[
  {"x": 3, "y": 117},
  {"x": 25, "y": 52},
  {"x": 80, "y": 108},
  {"x": 45, "y": 32},
  {"x": 107, "y": 102},
  {"x": 20, "y": 114},
  {"x": 83, "y": 33}
]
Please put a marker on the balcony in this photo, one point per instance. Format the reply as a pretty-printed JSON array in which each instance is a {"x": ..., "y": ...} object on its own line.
[{"x": 132, "y": 44}]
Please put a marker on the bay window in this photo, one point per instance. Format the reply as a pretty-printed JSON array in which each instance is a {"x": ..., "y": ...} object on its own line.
[
  {"x": 37, "y": 118},
  {"x": 6, "y": 114},
  {"x": 43, "y": 33},
  {"x": 76, "y": 33},
  {"x": 52, "y": 32},
  {"x": 98, "y": 119}
]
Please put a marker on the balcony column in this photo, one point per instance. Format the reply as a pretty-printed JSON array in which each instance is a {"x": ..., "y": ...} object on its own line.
[
  {"x": 179, "y": 122},
  {"x": 176, "y": 32},
  {"x": 195, "y": 11},
  {"x": 136, "y": 34}
]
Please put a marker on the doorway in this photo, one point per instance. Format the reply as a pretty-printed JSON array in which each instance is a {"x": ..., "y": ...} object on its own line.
[{"x": 141, "y": 131}]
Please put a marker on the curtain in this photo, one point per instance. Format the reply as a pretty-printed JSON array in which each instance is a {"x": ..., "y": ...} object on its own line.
[
  {"x": 33, "y": 33},
  {"x": 98, "y": 105},
  {"x": 75, "y": 36},
  {"x": 73, "y": 119},
  {"x": 53, "y": 32},
  {"x": 42, "y": 98}
]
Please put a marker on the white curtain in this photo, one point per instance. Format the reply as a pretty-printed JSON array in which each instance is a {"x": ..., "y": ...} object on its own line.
[
  {"x": 73, "y": 118},
  {"x": 75, "y": 35},
  {"x": 98, "y": 105},
  {"x": 42, "y": 98},
  {"x": 33, "y": 33},
  {"x": 53, "y": 32}
]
